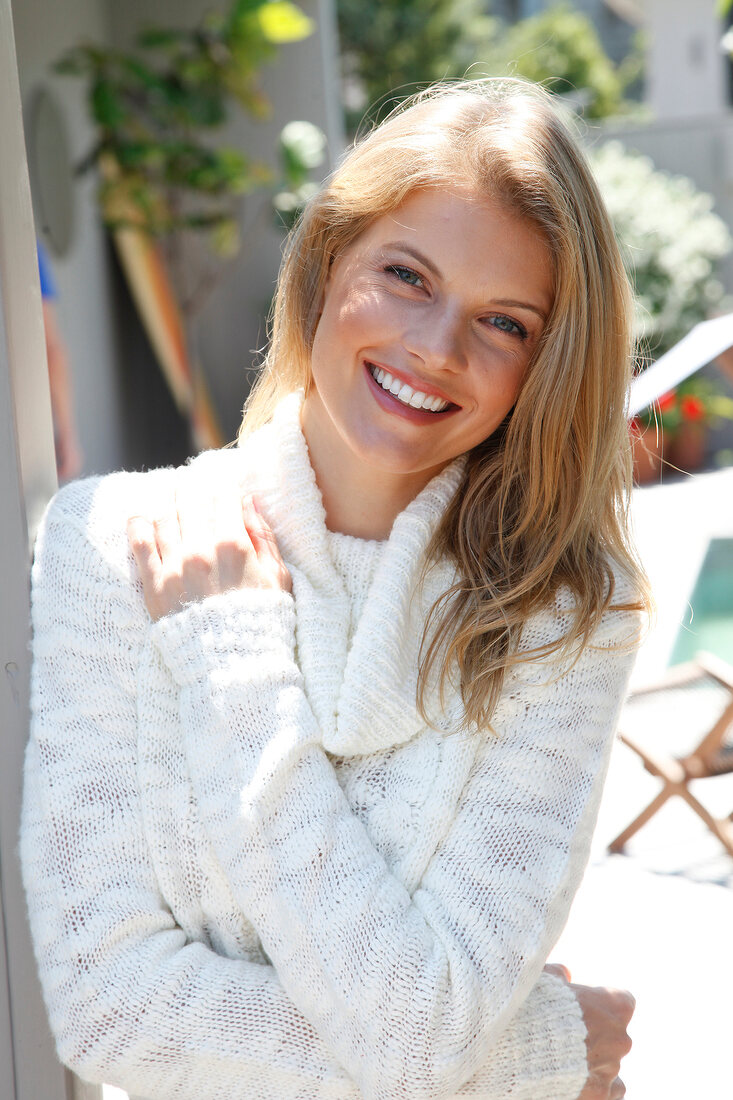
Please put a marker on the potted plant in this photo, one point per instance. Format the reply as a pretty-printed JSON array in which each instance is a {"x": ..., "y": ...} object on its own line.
[
  {"x": 163, "y": 178},
  {"x": 675, "y": 430},
  {"x": 672, "y": 242}
]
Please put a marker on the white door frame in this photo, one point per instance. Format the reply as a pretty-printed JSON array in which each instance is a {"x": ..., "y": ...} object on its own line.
[{"x": 29, "y": 1069}]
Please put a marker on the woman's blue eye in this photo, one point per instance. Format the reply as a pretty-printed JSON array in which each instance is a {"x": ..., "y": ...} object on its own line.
[
  {"x": 505, "y": 324},
  {"x": 405, "y": 274}
]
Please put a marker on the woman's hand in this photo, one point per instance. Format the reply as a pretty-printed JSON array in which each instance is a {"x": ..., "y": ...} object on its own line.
[
  {"x": 606, "y": 1014},
  {"x": 209, "y": 541}
]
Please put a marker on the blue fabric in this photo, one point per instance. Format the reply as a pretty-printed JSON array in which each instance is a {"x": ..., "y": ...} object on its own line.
[{"x": 48, "y": 286}]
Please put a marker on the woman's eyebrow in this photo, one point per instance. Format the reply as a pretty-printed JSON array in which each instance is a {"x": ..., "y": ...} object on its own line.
[
  {"x": 421, "y": 258},
  {"x": 416, "y": 255},
  {"x": 511, "y": 304}
]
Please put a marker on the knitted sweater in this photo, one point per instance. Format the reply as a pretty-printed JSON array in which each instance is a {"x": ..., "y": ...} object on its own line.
[{"x": 253, "y": 872}]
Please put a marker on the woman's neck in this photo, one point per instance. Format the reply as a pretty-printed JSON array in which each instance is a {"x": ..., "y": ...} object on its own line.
[{"x": 359, "y": 499}]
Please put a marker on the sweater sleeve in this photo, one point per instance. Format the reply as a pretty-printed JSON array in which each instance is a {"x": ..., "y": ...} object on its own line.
[
  {"x": 131, "y": 1000},
  {"x": 412, "y": 994}
]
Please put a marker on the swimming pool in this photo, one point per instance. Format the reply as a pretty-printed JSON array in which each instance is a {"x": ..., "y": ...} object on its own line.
[{"x": 709, "y": 625}]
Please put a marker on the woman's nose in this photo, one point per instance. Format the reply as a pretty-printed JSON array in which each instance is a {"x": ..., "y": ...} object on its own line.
[{"x": 437, "y": 338}]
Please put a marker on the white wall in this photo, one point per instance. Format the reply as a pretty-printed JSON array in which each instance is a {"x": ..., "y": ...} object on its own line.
[
  {"x": 301, "y": 84},
  {"x": 685, "y": 66},
  {"x": 43, "y": 31},
  {"x": 108, "y": 356}
]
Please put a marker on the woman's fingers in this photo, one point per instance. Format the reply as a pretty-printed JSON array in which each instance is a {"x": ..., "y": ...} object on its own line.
[
  {"x": 210, "y": 540},
  {"x": 144, "y": 546},
  {"x": 559, "y": 970},
  {"x": 168, "y": 539},
  {"x": 606, "y": 1014},
  {"x": 194, "y": 505},
  {"x": 272, "y": 566},
  {"x": 235, "y": 556}
]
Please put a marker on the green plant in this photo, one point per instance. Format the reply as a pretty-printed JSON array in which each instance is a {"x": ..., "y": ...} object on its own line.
[
  {"x": 695, "y": 401},
  {"x": 392, "y": 47},
  {"x": 302, "y": 149},
  {"x": 156, "y": 108},
  {"x": 671, "y": 241},
  {"x": 560, "y": 49}
]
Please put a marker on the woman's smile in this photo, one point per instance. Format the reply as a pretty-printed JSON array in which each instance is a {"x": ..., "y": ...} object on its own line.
[
  {"x": 429, "y": 321},
  {"x": 407, "y": 396}
]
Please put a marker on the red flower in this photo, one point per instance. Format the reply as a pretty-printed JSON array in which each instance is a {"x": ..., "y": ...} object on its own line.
[
  {"x": 667, "y": 401},
  {"x": 692, "y": 408}
]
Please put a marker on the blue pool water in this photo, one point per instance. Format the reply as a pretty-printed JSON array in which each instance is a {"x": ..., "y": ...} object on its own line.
[{"x": 709, "y": 626}]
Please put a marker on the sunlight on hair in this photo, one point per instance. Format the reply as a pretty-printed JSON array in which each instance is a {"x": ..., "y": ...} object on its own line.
[{"x": 542, "y": 513}]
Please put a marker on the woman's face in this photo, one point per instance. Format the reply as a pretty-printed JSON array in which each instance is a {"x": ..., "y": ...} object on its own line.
[{"x": 429, "y": 321}]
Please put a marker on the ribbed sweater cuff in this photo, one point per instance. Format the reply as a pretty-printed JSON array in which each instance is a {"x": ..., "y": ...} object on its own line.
[
  {"x": 549, "y": 1046},
  {"x": 252, "y": 624}
]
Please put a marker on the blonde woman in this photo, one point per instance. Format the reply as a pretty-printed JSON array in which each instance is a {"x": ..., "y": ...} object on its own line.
[{"x": 316, "y": 757}]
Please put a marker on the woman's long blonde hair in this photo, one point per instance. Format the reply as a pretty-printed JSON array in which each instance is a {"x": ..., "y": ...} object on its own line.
[{"x": 544, "y": 499}]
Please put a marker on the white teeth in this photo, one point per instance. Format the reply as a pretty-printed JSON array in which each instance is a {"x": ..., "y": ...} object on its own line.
[{"x": 404, "y": 393}]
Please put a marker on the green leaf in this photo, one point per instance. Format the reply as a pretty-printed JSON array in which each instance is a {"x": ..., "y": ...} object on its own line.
[
  {"x": 282, "y": 21},
  {"x": 81, "y": 60},
  {"x": 156, "y": 38},
  {"x": 197, "y": 70},
  {"x": 722, "y": 406},
  {"x": 724, "y": 7},
  {"x": 71, "y": 64},
  {"x": 203, "y": 106},
  {"x": 107, "y": 105},
  {"x": 252, "y": 98},
  {"x": 225, "y": 238},
  {"x": 141, "y": 72}
]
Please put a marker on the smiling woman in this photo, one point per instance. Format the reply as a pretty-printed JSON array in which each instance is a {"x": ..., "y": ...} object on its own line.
[
  {"x": 316, "y": 755},
  {"x": 437, "y": 329}
]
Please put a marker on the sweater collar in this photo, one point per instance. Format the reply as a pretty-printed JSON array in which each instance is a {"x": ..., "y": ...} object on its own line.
[{"x": 363, "y": 697}]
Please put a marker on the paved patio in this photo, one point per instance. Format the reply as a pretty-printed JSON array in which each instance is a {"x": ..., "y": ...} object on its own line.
[{"x": 659, "y": 919}]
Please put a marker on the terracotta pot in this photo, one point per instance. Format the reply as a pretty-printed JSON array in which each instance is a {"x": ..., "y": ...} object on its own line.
[
  {"x": 688, "y": 448},
  {"x": 646, "y": 447}
]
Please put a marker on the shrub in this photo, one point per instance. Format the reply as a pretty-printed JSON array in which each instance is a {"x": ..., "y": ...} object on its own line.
[
  {"x": 671, "y": 242},
  {"x": 391, "y": 47},
  {"x": 560, "y": 49}
]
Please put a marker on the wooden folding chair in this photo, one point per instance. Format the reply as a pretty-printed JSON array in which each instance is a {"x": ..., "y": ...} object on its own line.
[{"x": 701, "y": 689}]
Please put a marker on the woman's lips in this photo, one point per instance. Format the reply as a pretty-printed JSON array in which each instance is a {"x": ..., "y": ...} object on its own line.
[
  {"x": 391, "y": 403},
  {"x": 415, "y": 384}
]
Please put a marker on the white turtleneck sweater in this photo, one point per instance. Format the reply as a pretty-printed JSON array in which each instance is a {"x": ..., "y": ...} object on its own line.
[
  {"x": 355, "y": 560},
  {"x": 253, "y": 872}
]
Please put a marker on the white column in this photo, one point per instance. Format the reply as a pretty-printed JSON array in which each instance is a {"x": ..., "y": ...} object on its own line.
[
  {"x": 29, "y": 1069},
  {"x": 685, "y": 65}
]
